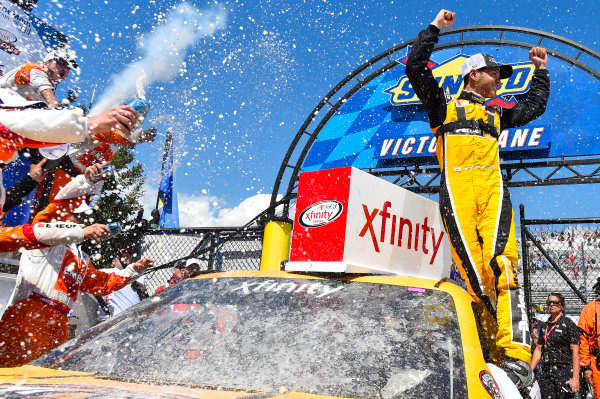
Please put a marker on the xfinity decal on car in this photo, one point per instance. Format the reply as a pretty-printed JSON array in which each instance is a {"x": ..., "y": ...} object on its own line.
[
  {"x": 320, "y": 213},
  {"x": 7, "y": 36},
  {"x": 319, "y": 290}
]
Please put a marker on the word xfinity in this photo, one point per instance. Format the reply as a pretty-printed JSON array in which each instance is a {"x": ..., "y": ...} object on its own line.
[{"x": 401, "y": 231}]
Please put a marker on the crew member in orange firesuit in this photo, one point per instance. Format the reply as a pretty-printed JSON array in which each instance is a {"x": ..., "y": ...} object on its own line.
[
  {"x": 49, "y": 281},
  {"x": 589, "y": 348},
  {"x": 474, "y": 201}
]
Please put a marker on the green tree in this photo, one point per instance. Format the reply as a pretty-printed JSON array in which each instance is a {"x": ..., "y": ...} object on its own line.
[{"x": 120, "y": 203}]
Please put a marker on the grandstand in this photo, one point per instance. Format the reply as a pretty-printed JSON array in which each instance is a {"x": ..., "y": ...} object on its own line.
[{"x": 575, "y": 249}]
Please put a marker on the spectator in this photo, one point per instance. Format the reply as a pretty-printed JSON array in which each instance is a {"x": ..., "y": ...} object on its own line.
[
  {"x": 127, "y": 296},
  {"x": 193, "y": 267},
  {"x": 37, "y": 82},
  {"x": 36, "y": 320},
  {"x": 558, "y": 350},
  {"x": 179, "y": 273}
]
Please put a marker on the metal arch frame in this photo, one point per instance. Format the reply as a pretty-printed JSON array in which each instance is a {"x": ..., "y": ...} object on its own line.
[{"x": 413, "y": 174}]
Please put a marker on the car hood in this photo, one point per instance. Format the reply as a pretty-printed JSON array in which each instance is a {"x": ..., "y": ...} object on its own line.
[{"x": 32, "y": 381}]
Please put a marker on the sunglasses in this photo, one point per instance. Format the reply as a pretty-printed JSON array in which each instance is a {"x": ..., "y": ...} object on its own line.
[
  {"x": 63, "y": 63},
  {"x": 555, "y": 303}
]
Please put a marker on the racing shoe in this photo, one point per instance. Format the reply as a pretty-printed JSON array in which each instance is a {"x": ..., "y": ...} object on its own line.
[{"x": 518, "y": 371}]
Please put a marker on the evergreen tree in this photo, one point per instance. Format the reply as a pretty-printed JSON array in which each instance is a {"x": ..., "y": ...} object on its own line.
[{"x": 120, "y": 203}]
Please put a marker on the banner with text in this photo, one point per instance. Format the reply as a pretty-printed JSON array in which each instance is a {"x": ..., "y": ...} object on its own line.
[{"x": 385, "y": 125}]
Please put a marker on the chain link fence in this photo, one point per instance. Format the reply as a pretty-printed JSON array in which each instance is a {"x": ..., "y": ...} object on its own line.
[
  {"x": 215, "y": 249},
  {"x": 560, "y": 256}
]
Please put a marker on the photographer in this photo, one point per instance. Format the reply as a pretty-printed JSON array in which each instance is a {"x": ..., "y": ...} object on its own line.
[
  {"x": 558, "y": 349},
  {"x": 127, "y": 296}
]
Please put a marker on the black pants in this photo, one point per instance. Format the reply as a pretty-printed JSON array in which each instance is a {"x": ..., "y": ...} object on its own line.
[{"x": 553, "y": 382}]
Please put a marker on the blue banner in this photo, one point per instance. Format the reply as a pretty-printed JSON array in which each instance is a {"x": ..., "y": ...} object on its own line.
[
  {"x": 167, "y": 197},
  {"x": 384, "y": 124},
  {"x": 12, "y": 174}
]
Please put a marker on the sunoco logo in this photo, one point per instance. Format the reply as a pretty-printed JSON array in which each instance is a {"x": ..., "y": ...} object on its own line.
[
  {"x": 489, "y": 384},
  {"x": 6, "y": 36},
  {"x": 320, "y": 214},
  {"x": 449, "y": 78}
]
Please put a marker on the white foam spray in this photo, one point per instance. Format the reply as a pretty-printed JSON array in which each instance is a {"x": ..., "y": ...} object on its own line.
[{"x": 162, "y": 52}]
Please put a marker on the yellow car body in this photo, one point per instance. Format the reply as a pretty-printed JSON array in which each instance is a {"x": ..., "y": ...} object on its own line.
[{"x": 66, "y": 381}]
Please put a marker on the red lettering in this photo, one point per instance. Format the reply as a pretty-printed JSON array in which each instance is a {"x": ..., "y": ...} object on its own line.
[{"x": 369, "y": 226}]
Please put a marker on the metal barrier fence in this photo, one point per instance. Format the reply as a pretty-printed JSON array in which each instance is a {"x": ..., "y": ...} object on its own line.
[
  {"x": 560, "y": 256},
  {"x": 216, "y": 249}
]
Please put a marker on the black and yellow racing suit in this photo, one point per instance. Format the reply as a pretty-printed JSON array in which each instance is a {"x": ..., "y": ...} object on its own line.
[{"x": 474, "y": 201}]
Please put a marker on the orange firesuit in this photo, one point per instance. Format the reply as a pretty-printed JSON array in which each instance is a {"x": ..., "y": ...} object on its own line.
[
  {"x": 474, "y": 201},
  {"x": 588, "y": 346},
  {"x": 48, "y": 283}
]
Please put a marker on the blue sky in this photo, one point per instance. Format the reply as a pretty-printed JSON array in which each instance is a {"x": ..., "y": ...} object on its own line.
[{"x": 245, "y": 90}]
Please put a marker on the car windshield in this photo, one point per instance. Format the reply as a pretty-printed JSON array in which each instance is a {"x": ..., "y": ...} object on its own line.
[{"x": 327, "y": 337}]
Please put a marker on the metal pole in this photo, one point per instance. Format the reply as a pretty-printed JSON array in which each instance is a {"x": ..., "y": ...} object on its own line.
[
  {"x": 584, "y": 267},
  {"x": 555, "y": 266},
  {"x": 525, "y": 263}
]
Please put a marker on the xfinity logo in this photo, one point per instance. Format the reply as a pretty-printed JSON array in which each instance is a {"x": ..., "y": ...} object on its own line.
[
  {"x": 385, "y": 228},
  {"x": 320, "y": 214},
  {"x": 318, "y": 290},
  {"x": 7, "y": 36}
]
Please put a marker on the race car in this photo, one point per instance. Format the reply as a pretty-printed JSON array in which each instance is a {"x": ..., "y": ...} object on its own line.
[{"x": 275, "y": 334}]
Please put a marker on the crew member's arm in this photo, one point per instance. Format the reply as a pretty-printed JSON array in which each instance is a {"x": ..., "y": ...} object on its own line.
[
  {"x": 537, "y": 355},
  {"x": 40, "y": 235},
  {"x": 37, "y": 79},
  {"x": 574, "y": 381},
  {"x": 420, "y": 76},
  {"x": 99, "y": 283},
  {"x": 69, "y": 197},
  {"x": 50, "y": 98},
  {"x": 537, "y": 98},
  {"x": 20, "y": 190},
  {"x": 63, "y": 125}
]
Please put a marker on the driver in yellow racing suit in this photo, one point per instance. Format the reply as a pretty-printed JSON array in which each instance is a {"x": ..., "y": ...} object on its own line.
[{"x": 474, "y": 201}]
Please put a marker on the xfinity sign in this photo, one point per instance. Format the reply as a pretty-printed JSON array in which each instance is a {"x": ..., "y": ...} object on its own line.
[{"x": 377, "y": 227}]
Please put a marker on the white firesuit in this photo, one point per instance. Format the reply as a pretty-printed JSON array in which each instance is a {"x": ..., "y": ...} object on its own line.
[{"x": 48, "y": 283}]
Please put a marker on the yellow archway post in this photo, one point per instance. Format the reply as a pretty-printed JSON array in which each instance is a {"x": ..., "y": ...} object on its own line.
[{"x": 276, "y": 244}]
